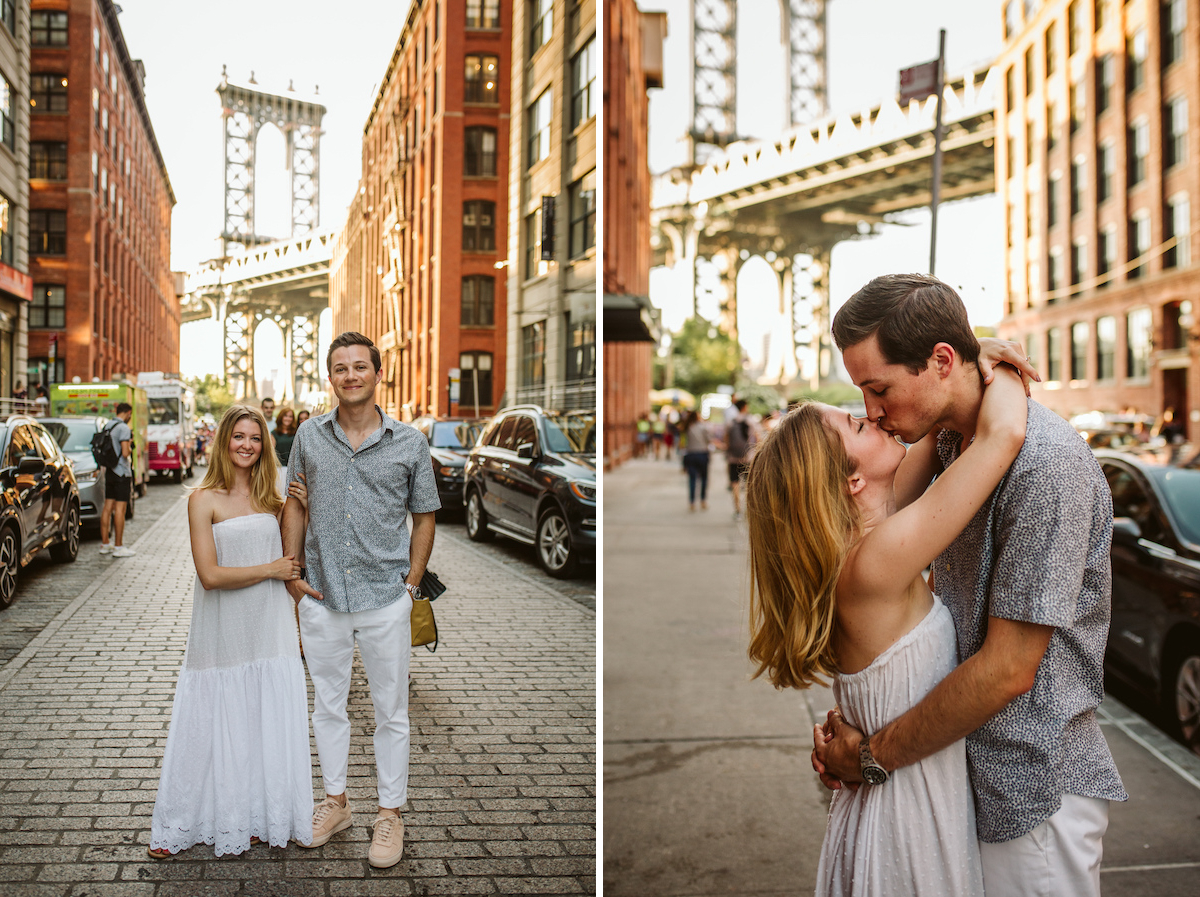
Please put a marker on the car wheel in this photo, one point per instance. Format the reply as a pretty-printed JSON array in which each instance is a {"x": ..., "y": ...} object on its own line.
[
  {"x": 1182, "y": 696},
  {"x": 68, "y": 549},
  {"x": 477, "y": 528},
  {"x": 177, "y": 476},
  {"x": 10, "y": 565},
  {"x": 555, "y": 548}
]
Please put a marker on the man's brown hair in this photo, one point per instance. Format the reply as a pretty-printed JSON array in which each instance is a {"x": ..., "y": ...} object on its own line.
[
  {"x": 910, "y": 314},
  {"x": 351, "y": 338}
]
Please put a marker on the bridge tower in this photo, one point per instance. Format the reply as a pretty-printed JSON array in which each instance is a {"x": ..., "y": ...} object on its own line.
[{"x": 244, "y": 111}]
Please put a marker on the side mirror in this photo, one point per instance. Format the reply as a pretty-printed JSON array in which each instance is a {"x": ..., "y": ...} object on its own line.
[
  {"x": 31, "y": 465},
  {"x": 525, "y": 450},
  {"x": 1127, "y": 527}
]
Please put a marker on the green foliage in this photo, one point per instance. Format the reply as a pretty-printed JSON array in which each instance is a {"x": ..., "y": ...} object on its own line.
[
  {"x": 703, "y": 357},
  {"x": 832, "y": 393},
  {"x": 212, "y": 396},
  {"x": 760, "y": 399}
]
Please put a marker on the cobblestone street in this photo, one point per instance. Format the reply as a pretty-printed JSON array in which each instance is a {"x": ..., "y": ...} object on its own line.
[{"x": 503, "y": 775}]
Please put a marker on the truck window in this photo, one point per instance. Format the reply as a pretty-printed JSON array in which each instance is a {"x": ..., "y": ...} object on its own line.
[{"x": 164, "y": 411}]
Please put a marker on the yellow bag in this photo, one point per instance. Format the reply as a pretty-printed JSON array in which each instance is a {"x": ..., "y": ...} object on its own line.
[{"x": 424, "y": 627}]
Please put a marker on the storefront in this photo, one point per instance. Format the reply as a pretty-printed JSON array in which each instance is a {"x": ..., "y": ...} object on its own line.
[{"x": 16, "y": 289}]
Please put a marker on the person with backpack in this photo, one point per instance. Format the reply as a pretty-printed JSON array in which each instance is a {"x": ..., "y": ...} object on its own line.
[
  {"x": 111, "y": 448},
  {"x": 740, "y": 440}
]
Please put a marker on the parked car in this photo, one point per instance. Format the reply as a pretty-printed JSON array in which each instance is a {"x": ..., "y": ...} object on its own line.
[
  {"x": 1154, "y": 640},
  {"x": 450, "y": 439},
  {"x": 532, "y": 477},
  {"x": 74, "y": 437},
  {"x": 39, "y": 501}
]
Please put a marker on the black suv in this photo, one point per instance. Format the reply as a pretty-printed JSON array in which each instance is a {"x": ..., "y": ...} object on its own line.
[
  {"x": 532, "y": 477},
  {"x": 39, "y": 501},
  {"x": 450, "y": 439}
]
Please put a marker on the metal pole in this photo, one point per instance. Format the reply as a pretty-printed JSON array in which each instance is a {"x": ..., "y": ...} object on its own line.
[{"x": 937, "y": 150}]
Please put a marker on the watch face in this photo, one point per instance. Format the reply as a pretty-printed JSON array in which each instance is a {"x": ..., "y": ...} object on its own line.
[{"x": 874, "y": 775}]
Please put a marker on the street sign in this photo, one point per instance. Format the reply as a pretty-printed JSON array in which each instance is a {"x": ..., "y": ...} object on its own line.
[
  {"x": 455, "y": 384},
  {"x": 918, "y": 82}
]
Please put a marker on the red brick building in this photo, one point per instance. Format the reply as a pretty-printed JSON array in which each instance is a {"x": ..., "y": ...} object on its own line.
[
  {"x": 1096, "y": 163},
  {"x": 418, "y": 266},
  {"x": 100, "y": 203},
  {"x": 632, "y": 64}
]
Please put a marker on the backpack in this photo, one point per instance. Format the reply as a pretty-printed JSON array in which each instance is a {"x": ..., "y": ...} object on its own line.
[{"x": 103, "y": 451}]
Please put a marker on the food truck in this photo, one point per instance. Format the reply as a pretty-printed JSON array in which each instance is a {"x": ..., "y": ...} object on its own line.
[
  {"x": 171, "y": 428},
  {"x": 101, "y": 400}
]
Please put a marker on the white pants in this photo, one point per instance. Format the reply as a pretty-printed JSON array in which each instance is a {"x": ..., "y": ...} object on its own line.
[
  {"x": 384, "y": 639},
  {"x": 1060, "y": 856}
]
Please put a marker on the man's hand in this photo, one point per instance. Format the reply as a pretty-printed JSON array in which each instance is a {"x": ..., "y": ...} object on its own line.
[
  {"x": 298, "y": 588},
  {"x": 835, "y": 753}
]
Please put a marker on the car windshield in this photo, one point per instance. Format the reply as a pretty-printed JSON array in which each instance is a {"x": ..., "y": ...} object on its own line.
[
  {"x": 453, "y": 434},
  {"x": 1181, "y": 488},
  {"x": 164, "y": 411},
  {"x": 575, "y": 433},
  {"x": 73, "y": 435}
]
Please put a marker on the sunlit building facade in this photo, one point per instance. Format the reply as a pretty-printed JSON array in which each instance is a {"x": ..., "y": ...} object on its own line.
[{"x": 16, "y": 288}]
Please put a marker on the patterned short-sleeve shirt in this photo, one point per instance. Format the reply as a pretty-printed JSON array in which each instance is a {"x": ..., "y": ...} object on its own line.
[
  {"x": 1038, "y": 552},
  {"x": 357, "y": 543}
]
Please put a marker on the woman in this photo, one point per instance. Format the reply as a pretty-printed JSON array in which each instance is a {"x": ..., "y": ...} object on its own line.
[
  {"x": 301, "y": 417},
  {"x": 841, "y": 527},
  {"x": 237, "y": 767},
  {"x": 285, "y": 432},
  {"x": 695, "y": 459}
]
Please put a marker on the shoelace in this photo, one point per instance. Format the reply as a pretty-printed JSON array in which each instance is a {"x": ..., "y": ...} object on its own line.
[
  {"x": 388, "y": 823},
  {"x": 322, "y": 811}
]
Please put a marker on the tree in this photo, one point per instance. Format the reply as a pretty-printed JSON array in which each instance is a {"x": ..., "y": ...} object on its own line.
[
  {"x": 212, "y": 395},
  {"x": 703, "y": 357}
]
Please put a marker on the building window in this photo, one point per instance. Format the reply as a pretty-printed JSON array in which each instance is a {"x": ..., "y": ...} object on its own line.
[
  {"x": 1139, "y": 241},
  {"x": 1077, "y": 181},
  {"x": 533, "y": 244},
  {"x": 1010, "y": 91},
  {"x": 1012, "y": 17},
  {"x": 1139, "y": 150},
  {"x": 582, "y": 198},
  {"x": 8, "y": 15},
  {"x": 478, "y": 301},
  {"x": 49, "y": 307},
  {"x": 533, "y": 354},
  {"x": 1106, "y": 76},
  {"x": 6, "y": 229},
  {"x": 1106, "y": 251},
  {"x": 47, "y": 232},
  {"x": 1073, "y": 28},
  {"x": 1029, "y": 143},
  {"x": 1054, "y": 274},
  {"x": 1030, "y": 76},
  {"x": 541, "y": 14},
  {"x": 1106, "y": 348},
  {"x": 1106, "y": 165},
  {"x": 1174, "y": 20},
  {"x": 48, "y": 29},
  {"x": 1175, "y": 144},
  {"x": 1009, "y": 157},
  {"x": 1078, "y": 107},
  {"x": 583, "y": 84},
  {"x": 581, "y": 350},
  {"x": 1053, "y": 123},
  {"x": 1178, "y": 225},
  {"x": 1028, "y": 214},
  {"x": 483, "y": 13},
  {"x": 479, "y": 226},
  {"x": 1051, "y": 51},
  {"x": 1136, "y": 51},
  {"x": 1031, "y": 348},
  {"x": 1054, "y": 354},
  {"x": 1078, "y": 262},
  {"x": 475, "y": 379},
  {"x": 538, "y": 126},
  {"x": 7, "y": 129},
  {"x": 48, "y": 93},
  {"x": 1052, "y": 187},
  {"x": 1137, "y": 344},
  {"x": 479, "y": 152},
  {"x": 1079, "y": 346},
  {"x": 482, "y": 79},
  {"x": 1101, "y": 13},
  {"x": 48, "y": 161}
]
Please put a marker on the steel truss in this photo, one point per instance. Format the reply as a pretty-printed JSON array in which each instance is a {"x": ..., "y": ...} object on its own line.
[
  {"x": 239, "y": 327},
  {"x": 805, "y": 25},
  {"x": 714, "y": 76},
  {"x": 305, "y": 356},
  {"x": 810, "y": 314}
]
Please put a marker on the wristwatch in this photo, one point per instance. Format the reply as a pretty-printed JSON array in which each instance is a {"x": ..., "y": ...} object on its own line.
[
  {"x": 872, "y": 772},
  {"x": 415, "y": 591}
]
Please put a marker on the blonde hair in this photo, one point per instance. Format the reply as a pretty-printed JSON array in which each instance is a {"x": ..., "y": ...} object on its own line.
[
  {"x": 803, "y": 523},
  {"x": 263, "y": 491}
]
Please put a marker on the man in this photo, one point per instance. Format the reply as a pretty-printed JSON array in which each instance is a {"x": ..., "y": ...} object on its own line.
[
  {"x": 1028, "y": 583},
  {"x": 268, "y": 410},
  {"x": 740, "y": 440},
  {"x": 118, "y": 484},
  {"x": 365, "y": 472}
]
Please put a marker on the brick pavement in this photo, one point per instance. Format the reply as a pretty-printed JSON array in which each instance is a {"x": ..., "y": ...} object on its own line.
[{"x": 503, "y": 782}]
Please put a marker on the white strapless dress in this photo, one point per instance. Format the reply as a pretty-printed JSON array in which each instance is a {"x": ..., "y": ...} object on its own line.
[
  {"x": 915, "y": 834},
  {"x": 237, "y": 760}
]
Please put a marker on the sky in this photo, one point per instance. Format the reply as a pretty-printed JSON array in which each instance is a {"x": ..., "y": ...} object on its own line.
[
  {"x": 863, "y": 68},
  {"x": 345, "y": 51}
]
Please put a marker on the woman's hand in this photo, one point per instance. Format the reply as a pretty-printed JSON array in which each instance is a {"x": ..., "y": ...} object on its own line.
[
  {"x": 298, "y": 490},
  {"x": 1004, "y": 408},
  {"x": 285, "y": 569},
  {"x": 993, "y": 352}
]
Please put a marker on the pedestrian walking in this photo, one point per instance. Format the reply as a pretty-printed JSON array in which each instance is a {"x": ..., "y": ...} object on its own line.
[
  {"x": 236, "y": 767},
  {"x": 268, "y": 410},
  {"x": 118, "y": 484},
  {"x": 365, "y": 472},
  {"x": 643, "y": 435},
  {"x": 740, "y": 440},
  {"x": 695, "y": 459}
]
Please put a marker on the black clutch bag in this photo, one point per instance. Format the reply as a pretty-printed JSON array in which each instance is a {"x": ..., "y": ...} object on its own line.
[{"x": 431, "y": 586}]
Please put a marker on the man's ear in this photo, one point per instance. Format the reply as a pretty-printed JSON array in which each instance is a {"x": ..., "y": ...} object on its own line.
[
  {"x": 856, "y": 482},
  {"x": 944, "y": 359}
]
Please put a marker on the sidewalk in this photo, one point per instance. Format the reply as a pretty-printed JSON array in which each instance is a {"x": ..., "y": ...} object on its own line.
[
  {"x": 502, "y": 796},
  {"x": 708, "y": 788}
]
